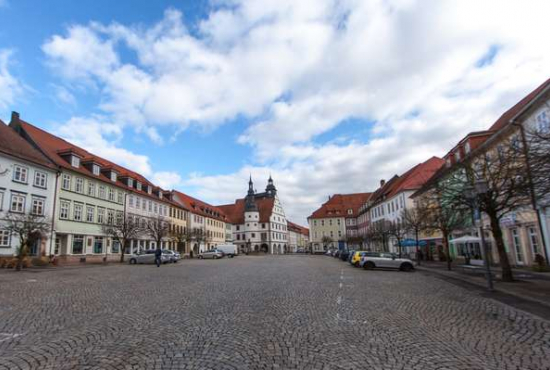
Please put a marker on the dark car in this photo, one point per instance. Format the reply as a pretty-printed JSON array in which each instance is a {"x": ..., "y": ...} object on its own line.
[
  {"x": 337, "y": 254},
  {"x": 344, "y": 255}
]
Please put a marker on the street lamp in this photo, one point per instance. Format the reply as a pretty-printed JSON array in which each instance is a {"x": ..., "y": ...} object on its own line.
[{"x": 474, "y": 194}]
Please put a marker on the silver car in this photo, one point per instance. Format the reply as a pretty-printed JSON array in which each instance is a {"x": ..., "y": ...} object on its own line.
[
  {"x": 148, "y": 256},
  {"x": 385, "y": 260},
  {"x": 214, "y": 254},
  {"x": 173, "y": 255}
]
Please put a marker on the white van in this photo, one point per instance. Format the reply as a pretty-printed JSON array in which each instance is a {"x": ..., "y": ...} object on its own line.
[{"x": 230, "y": 250}]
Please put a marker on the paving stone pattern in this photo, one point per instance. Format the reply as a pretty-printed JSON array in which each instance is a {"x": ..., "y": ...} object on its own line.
[{"x": 288, "y": 312}]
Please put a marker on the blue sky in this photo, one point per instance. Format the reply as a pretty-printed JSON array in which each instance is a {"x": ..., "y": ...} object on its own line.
[{"x": 328, "y": 96}]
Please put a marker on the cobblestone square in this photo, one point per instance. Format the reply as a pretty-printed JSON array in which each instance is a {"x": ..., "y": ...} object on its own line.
[{"x": 288, "y": 312}]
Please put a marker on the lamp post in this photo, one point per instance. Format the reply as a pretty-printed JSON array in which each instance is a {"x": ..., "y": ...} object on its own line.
[{"x": 474, "y": 194}]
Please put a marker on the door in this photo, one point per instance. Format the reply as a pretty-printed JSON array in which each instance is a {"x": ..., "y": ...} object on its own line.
[{"x": 517, "y": 246}]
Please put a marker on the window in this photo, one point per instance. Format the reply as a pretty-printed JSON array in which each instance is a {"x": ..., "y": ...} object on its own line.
[
  {"x": 100, "y": 215},
  {"x": 119, "y": 197},
  {"x": 79, "y": 185},
  {"x": 467, "y": 147},
  {"x": 116, "y": 247},
  {"x": 238, "y": 227},
  {"x": 40, "y": 179},
  {"x": 156, "y": 208},
  {"x": 330, "y": 222},
  {"x": 119, "y": 218},
  {"x": 66, "y": 182},
  {"x": 534, "y": 240},
  {"x": 150, "y": 206},
  {"x": 4, "y": 238},
  {"x": 20, "y": 174},
  {"x": 98, "y": 244},
  {"x": 543, "y": 122},
  {"x": 17, "y": 203},
  {"x": 517, "y": 246},
  {"x": 113, "y": 176},
  {"x": 350, "y": 211},
  {"x": 75, "y": 161},
  {"x": 138, "y": 202},
  {"x": 91, "y": 189},
  {"x": 110, "y": 216},
  {"x": 64, "y": 210},
  {"x": 138, "y": 185},
  {"x": 95, "y": 169},
  {"x": 253, "y": 235},
  {"x": 111, "y": 194},
  {"x": 322, "y": 222},
  {"x": 77, "y": 212},
  {"x": 78, "y": 244},
  {"x": 102, "y": 191},
  {"x": 131, "y": 201},
  {"x": 38, "y": 206},
  {"x": 89, "y": 214}
]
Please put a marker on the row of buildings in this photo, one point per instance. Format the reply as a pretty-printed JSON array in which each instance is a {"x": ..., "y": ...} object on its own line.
[
  {"x": 348, "y": 220},
  {"x": 78, "y": 193}
]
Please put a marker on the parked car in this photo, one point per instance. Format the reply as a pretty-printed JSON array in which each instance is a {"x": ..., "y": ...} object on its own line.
[
  {"x": 300, "y": 250},
  {"x": 350, "y": 255},
  {"x": 356, "y": 258},
  {"x": 337, "y": 254},
  {"x": 344, "y": 255},
  {"x": 148, "y": 256},
  {"x": 385, "y": 260},
  {"x": 174, "y": 256},
  {"x": 213, "y": 254},
  {"x": 230, "y": 250}
]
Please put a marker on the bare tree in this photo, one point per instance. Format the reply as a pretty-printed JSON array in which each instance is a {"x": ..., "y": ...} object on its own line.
[
  {"x": 180, "y": 236},
  {"x": 29, "y": 228},
  {"x": 325, "y": 240},
  {"x": 442, "y": 216},
  {"x": 415, "y": 222},
  {"x": 198, "y": 236},
  {"x": 158, "y": 229},
  {"x": 380, "y": 233},
  {"x": 124, "y": 229},
  {"x": 398, "y": 230}
]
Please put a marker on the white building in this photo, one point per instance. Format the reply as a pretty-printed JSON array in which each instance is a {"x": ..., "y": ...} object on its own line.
[
  {"x": 27, "y": 186},
  {"x": 259, "y": 221}
]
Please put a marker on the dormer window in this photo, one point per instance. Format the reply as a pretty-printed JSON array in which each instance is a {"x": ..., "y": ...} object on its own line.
[
  {"x": 113, "y": 176},
  {"x": 448, "y": 162},
  {"x": 467, "y": 147},
  {"x": 75, "y": 161},
  {"x": 95, "y": 169},
  {"x": 350, "y": 211},
  {"x": 130, "y": 182},
  {"x": 457, "y": 156},
  {"x": 138, "y": 185},
  {"x": 149, "y": 189}
]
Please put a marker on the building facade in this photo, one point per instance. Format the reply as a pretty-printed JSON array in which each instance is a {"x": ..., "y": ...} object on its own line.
[
  {"x": 27, "y": 187},
  {"x": 258, "y": 221}
]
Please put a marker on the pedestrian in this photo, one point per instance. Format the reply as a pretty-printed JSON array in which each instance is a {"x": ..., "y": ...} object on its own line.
[{"x": 158, "y": 255}]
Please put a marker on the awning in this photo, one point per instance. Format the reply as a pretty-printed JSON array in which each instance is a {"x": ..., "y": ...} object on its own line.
[
  {"x": 412, "y": 243},
  {"x": 466, "y": 239}
]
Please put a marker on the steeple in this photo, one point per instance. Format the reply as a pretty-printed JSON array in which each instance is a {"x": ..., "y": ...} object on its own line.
[
  {"x": 250, "y": 200},
  {"x": 271, "y": 190}
]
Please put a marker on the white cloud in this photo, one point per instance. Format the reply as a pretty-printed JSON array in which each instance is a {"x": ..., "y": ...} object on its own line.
[
  {"x": 64, "y": 97},
  {"x": 298, "y": 69},
  {"x": 102, "y": 138},
  {"x": 167, "y": 180},
  {"x": 10, "y": 87}
]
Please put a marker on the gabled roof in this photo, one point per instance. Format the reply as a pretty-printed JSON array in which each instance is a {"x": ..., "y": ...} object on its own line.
[
  {"x": 198, "y": 207},
  {"x": 339, "y": 204},
  {"x": 297, "y": 228},
  {"x": 52, "y": 146},
  {"x": 518, "y": 107},
  {"x": 14, "y": 145},
  {"x": 235, "y": 212},
  {"x": 417, "y": 176}
]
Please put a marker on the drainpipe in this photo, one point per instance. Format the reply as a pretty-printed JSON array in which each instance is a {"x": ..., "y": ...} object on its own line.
[
  {"x": 58, "y": 173},
  {"x": 543, "y": 231}
]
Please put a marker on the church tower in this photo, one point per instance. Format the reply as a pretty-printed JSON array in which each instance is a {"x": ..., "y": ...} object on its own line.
[
  {"x": 271, "y": 190},
  {"x": 250, "y": 200}
]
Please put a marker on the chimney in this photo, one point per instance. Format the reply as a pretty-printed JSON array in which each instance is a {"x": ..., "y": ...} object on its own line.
[
  {"x": 14, "y": 116},
  {"x": 382, "y": 182}
]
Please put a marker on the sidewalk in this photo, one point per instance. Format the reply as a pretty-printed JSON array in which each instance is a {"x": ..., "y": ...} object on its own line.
[{"x": 529, "y": 286}]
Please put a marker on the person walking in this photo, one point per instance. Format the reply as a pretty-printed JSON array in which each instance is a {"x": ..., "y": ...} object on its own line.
[{"x": 158, "y": 255}]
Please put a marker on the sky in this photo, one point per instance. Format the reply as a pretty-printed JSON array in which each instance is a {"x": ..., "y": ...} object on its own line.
[{"x": 327, "y": 96}]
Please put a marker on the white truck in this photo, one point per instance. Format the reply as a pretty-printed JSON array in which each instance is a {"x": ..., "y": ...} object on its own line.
[{"x": 230, "y": 250}]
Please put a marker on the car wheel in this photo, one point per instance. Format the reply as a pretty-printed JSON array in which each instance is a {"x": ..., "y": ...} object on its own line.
[
  {"x": 201, "y": 257},
  {"x": 356, "y": 264},
  {"x": 133, "y": 261},
  {"x": 369, "y": 265},
  {"x": 215, "y": 257},
  {"x": 406, "y": 267}
]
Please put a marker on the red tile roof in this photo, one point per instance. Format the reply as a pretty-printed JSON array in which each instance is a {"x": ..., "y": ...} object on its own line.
[
  {"x": 417, "y": 176},
  {"x": 516, "y": 109},
  {"x": 52, "y": 146},
  {"x": 199, "y": 207},
  {"x": 339, "y": 204},
  {"x": 14, "y": 145},
  {"x": 297, "y": 228},
  {"x": 235, "y": 212}
]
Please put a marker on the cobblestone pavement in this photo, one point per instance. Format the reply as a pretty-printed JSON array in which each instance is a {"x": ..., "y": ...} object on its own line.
[{"x": 289, "y": 312}]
